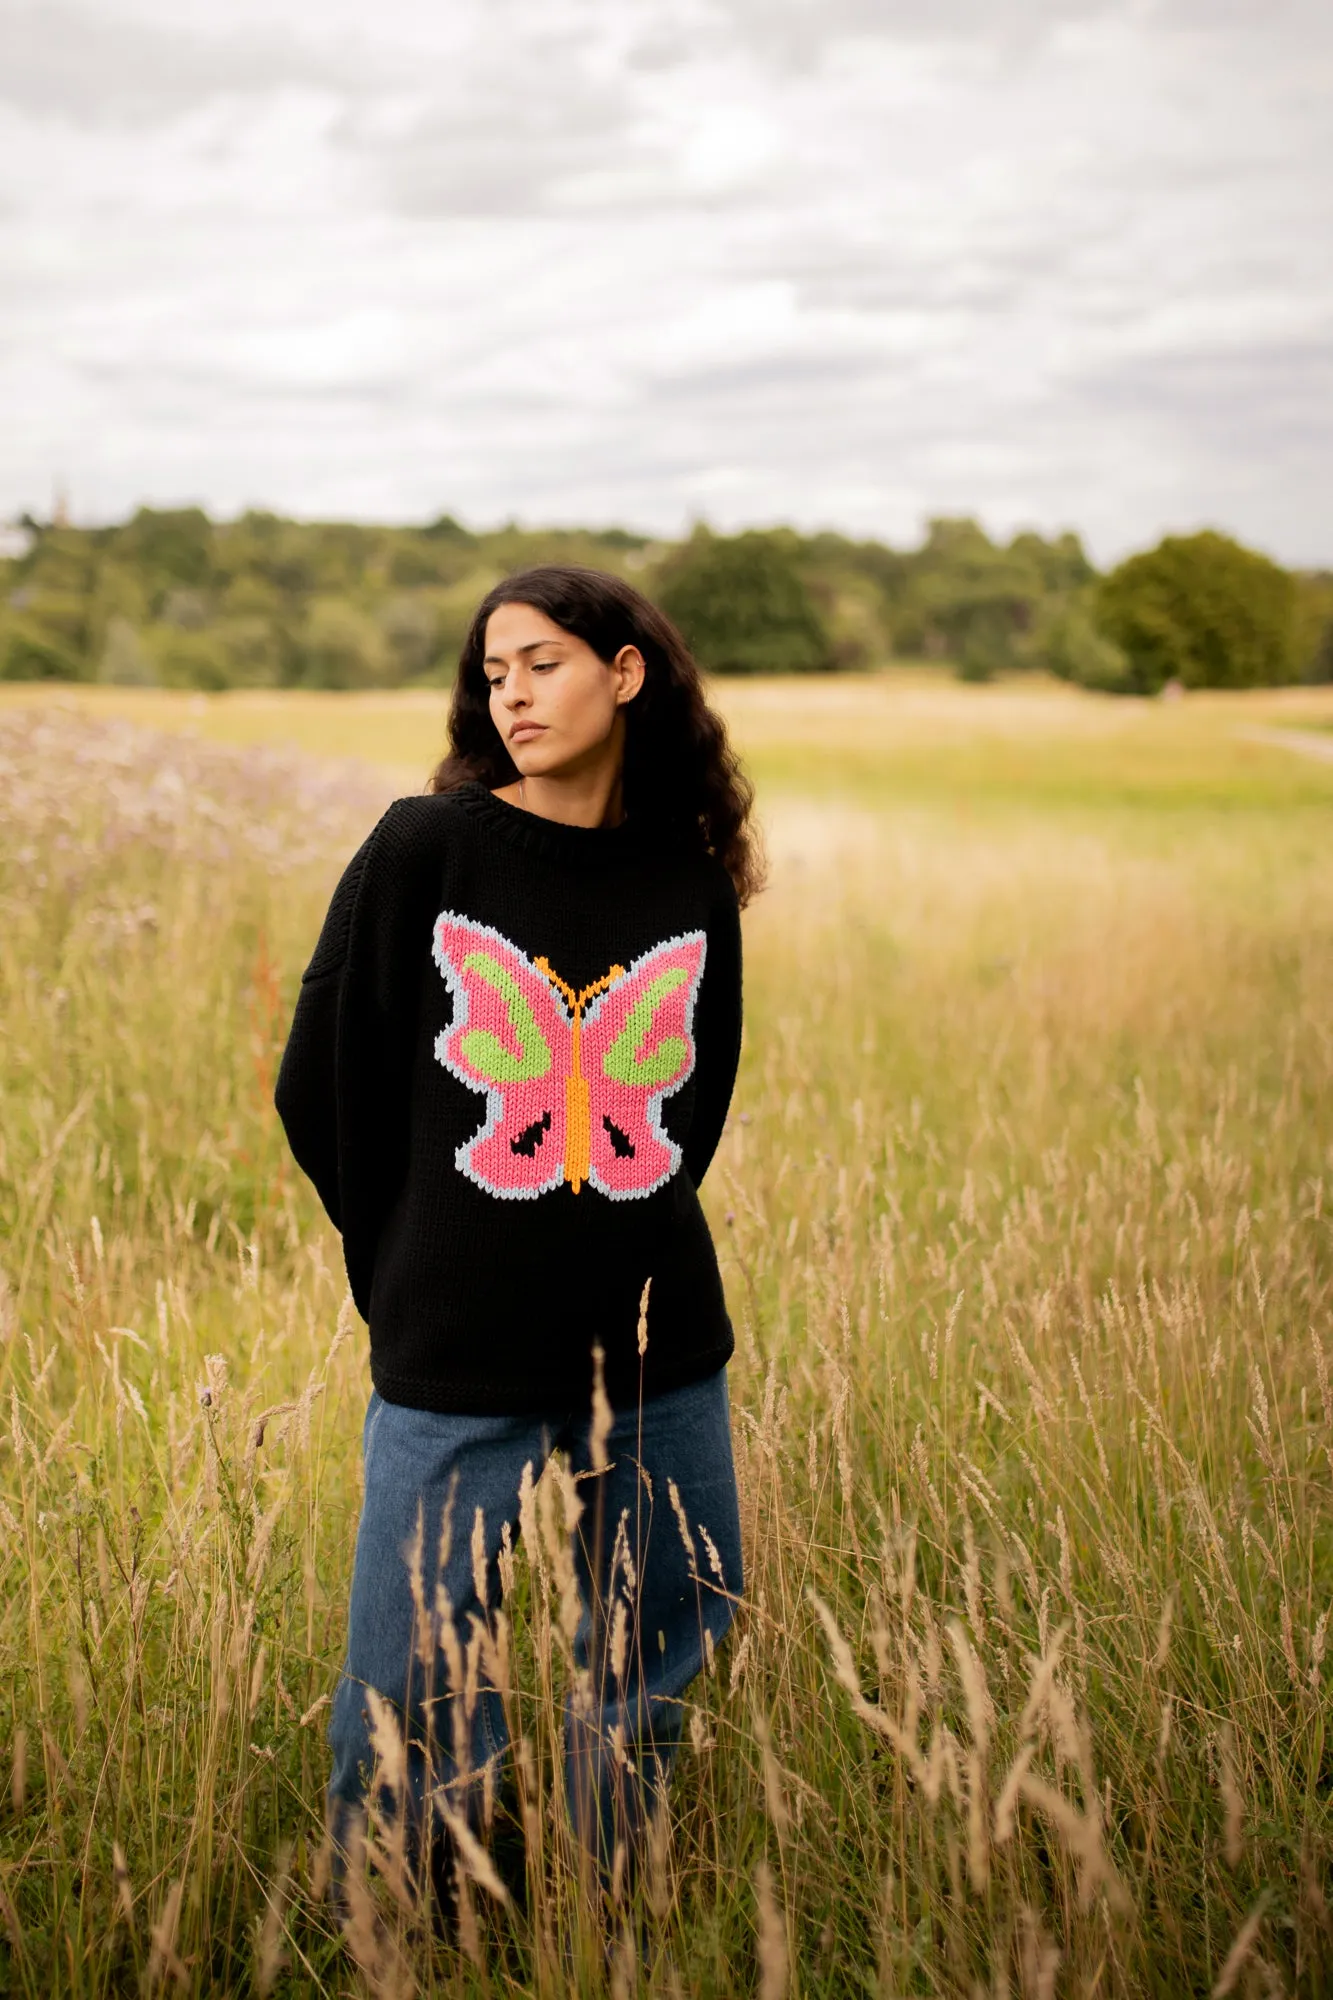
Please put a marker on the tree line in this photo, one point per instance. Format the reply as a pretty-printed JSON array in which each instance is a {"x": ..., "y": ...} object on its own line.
[{"x": 171, "y": 598}]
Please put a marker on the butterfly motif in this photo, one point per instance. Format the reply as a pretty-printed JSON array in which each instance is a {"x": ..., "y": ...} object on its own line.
[{"x": 574, "y": 1081}]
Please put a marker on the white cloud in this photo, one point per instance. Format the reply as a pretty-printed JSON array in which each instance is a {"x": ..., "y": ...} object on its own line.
[{"x": 846, "y": 264}]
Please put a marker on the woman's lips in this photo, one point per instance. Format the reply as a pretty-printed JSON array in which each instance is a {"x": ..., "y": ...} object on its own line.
[{"x": 523, "y": 732}]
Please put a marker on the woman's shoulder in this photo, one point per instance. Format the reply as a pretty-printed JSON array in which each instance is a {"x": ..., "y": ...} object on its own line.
[
  {"x": 712, "y": 877},
  {"x": 414, "y": 838},
  {"x": 688, "y": 887},
  {"x": 421, "y": 822}
]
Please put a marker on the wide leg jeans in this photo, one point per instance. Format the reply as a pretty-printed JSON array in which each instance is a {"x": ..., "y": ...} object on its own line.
[{"x": 657, "y": 1559}]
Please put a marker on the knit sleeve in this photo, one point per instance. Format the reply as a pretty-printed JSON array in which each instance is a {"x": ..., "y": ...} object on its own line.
[
  {"x": 343, "y": 1088},
  {"x": 306, "y": 1092},
  {"x": 717, "y": 1036}
]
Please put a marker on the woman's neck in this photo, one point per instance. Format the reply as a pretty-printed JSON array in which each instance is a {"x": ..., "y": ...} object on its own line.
[{"x": 576, "y": 798}]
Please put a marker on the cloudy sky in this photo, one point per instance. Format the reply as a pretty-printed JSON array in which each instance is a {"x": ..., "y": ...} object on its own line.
[{"x": 841, "y": 262}]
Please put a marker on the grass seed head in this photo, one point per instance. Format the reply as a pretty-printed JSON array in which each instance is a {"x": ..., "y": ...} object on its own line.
[{"x": 774, "y": 1967}]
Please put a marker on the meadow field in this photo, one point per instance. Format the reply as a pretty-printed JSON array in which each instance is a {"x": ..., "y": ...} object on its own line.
[{"x": 1026, "y": 1212}]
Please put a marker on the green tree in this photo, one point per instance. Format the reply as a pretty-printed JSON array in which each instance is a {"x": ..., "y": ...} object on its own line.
[
  {"x": 446, "y": 529},
  {"x": 58, "y": 615},
  {"x": 410, "y": 630},
  {"x": 418, "y": 559},
  {"x": 743, "y": 605},
  {"x": 343, "y": 648},
  {"x": 1202, "y": 610},
  {"x": 188, "y": 659},
  {"x": 124, "y": 660},
  {"x": 1314, "y": 625},
  {"x": 976, "y": 602},
  {"x": 1068, "y": 643},
  {"x": 27, "y": 653},
  {"x": 1061, "y": 565},
  {"x": 175, "y": 546}
]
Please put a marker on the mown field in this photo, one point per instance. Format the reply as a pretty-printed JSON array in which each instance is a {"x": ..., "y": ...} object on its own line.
[{"x": 1025, "y": 1212}]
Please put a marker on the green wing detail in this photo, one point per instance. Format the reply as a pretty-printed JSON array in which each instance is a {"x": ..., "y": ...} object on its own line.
[
  {"x": 621, "y": 1061},
  {"x": 485, "y": 1052}
]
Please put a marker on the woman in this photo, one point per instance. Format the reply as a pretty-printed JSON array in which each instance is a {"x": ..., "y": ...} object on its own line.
[{"x": 509, "y": 1068}]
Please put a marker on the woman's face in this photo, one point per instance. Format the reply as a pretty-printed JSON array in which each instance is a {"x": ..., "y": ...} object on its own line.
[{"x": 558, "y": 707}]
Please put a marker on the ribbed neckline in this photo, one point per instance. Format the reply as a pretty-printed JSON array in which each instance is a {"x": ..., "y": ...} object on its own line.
[{"x": 578, "y": 846}]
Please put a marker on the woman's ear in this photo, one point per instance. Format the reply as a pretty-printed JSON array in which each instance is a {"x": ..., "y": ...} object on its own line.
[{"x": 629, "y": 668}]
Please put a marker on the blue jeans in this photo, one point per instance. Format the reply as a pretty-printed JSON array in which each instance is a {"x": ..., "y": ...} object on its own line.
[{"x": 648, "y": 1608}]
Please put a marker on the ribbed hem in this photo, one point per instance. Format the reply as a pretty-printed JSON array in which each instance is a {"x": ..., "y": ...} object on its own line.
[{"x": 528, "y": 1396}]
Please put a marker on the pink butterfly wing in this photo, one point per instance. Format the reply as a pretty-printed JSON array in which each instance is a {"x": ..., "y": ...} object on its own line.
[
  {"x": 510, "y": 1039},
  {"x": 637, "y": 1048}
]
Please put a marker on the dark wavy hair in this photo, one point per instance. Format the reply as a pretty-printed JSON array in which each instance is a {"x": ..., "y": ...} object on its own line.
[{"x": 681, "y": 773}]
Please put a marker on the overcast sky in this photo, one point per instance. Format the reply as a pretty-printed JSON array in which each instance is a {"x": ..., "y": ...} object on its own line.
[{"x": 845, "y": 263}]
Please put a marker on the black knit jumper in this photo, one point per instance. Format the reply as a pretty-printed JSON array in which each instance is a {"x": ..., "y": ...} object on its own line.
[{"x": 509, "y": 1068}]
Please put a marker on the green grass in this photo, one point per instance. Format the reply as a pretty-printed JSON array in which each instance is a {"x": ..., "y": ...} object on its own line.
[
  {"x": 910, "y": 733},
  {"x": 1024, "y": 1210}
]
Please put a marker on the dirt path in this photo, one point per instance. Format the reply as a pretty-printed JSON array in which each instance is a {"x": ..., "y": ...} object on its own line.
[{"x": 1304, "y": 742}]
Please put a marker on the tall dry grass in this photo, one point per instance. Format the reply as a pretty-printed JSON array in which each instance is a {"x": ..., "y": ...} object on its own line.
[{"x": 1024, "y": 1205}]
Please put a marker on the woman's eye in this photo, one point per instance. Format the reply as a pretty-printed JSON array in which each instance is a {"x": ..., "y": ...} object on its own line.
[{"x": 540, "y": 666}]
